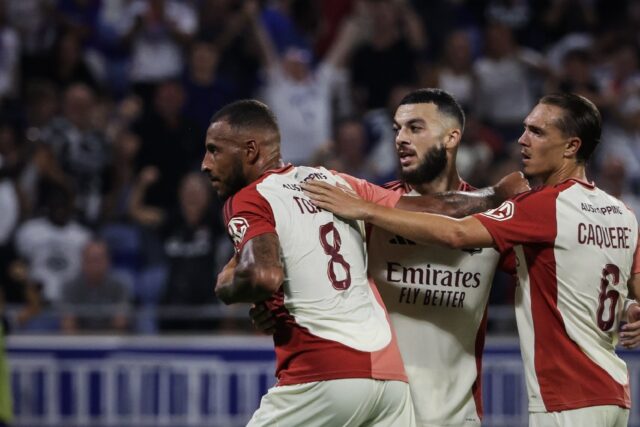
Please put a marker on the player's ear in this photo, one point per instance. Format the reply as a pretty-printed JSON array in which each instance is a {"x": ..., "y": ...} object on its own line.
[
  {"x": 452, "y": 138},
  {"x": 251, "y": 149},
  {"x": 572, "y": 147}
]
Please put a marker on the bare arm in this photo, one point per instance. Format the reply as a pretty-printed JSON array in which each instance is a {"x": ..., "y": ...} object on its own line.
[
  {"x": 254, "y": 274},
  {"x": 459, "y": 204},
  {"x": 348, "y": 37},
  {"x": 413, "y": 26},
  {"x": 419, "y": 226},
  {"x": 268, "y": 53},
  {"x": 455, "y": 204},
  {"x": 144, "y": 214}
]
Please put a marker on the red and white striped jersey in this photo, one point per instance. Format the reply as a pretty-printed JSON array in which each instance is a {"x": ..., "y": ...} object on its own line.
[
  {"x": 436, "y": 298},
  {"x": 331, "y": 322},
  {"x": 574, "y": 247}
]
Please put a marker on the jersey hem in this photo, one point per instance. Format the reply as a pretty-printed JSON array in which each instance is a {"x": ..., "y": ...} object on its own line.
[
  {"x": 580, "y": 404},
  {"x": 301, "y": 379}
]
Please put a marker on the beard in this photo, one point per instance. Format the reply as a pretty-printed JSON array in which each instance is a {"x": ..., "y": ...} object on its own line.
[
  {"x": 434, "y": 163},
  {"x": 234, "y": 183}
]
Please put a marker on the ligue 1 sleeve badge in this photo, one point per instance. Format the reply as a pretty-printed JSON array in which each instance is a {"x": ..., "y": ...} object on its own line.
[
  {"x": 502, "y": 212},
  {"x": 237, "y": 228}
]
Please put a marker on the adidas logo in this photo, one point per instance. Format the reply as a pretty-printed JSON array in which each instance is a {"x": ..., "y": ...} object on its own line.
[
  {"x": 472, "y": 251},
  {"x": 399, "y": 240}
]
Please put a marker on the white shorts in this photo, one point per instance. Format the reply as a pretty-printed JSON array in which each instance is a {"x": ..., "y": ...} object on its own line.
[
  {"x": 592, "y": 416},
  {"x": 334, "y": 403}
]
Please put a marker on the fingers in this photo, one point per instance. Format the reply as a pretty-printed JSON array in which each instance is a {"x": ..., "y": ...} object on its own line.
[
  {"x": 320, "y": 193},
  {"x": 317, "y": 187},
  {"x": 262, "y": 319},
  {"x": 630, "y": 335}
]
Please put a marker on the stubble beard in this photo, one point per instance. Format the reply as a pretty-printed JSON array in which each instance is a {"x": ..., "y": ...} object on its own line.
[
  {"x": 236, "y": 182},
  {"x": 434, "y": 163}
]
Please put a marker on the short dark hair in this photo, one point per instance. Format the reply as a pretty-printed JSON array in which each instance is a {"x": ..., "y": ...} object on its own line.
[
  {"x": 581, "y": 119},
  {"x": 247, "y": 113},
  {"x": 445, "y": 102}
]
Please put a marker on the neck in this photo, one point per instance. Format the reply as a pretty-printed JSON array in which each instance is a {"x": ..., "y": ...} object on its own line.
[
  {"x": 273, "y": 161},
  {"x": 448, "y": 180},
  {"x": 567, "y": 171}
]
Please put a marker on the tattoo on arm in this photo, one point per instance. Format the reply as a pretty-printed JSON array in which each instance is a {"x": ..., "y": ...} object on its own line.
[
  {"x": 455, "y": 204},
  {"x": 259, "y": 272}
]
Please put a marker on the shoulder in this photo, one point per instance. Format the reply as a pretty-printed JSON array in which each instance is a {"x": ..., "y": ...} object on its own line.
[
  {"x": 537, "y": 193},
  {"x": 397, "y": 186},
  {"x": 246, "y": 199}
]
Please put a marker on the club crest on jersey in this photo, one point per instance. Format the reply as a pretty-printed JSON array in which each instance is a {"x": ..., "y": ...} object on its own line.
[
  {"x": 502, "y": 212},
  {"x": 237, "y": 228}
]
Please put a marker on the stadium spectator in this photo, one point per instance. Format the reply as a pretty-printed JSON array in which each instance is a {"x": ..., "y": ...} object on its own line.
[
  {"x": 300, "y": 96},
  {"x": 503, "y": 76},
  {"x": 52, "y": 245},
  {"x": 454, "y": 72},
  {"x": 395, "y": 36},
  {"x": 80, "y": 149},
  {"x": 206, "y": 88},
  {"x": 157, "y": 32},
  {"x": 68, "y": 64},
  {"x": 96, "y": 300},
  {"x": 169, "y": 143}
]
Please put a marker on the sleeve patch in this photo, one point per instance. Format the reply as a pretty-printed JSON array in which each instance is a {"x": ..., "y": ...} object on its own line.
[
  {"x": 501, "y": 213},
  {"x": 237, "y": 229}
]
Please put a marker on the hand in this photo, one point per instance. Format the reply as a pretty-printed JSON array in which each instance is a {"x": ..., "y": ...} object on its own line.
[
  {"x": 340, "y": 200},
  {"x": 630, "y": 335},
  {"x": 262, "y": 318},
  {"x": 511, "y": 185}
]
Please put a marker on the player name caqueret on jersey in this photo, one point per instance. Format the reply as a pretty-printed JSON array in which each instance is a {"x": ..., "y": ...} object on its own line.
[{"x": 603, "y": 237}]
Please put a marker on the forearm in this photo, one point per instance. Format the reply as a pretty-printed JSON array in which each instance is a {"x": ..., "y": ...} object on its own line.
[
  {"x": 419, "y": 226},
  {"x": 253, "y": 275},
  {"x": 241, "y": 288},
  {"x": 455, "y": 204}
]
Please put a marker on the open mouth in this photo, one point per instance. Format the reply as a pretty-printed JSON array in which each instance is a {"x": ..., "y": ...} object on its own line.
[{"x": 405, "y": 157}]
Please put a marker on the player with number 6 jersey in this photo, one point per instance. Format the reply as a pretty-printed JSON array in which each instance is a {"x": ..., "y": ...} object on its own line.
[{"x": 572, "y": 284}]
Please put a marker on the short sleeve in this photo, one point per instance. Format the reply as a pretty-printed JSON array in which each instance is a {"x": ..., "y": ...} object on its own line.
[
  {"x": 371, "y": 192},
  {"x": 247, "y": 215},
  {"x": 526, "y": 219}
]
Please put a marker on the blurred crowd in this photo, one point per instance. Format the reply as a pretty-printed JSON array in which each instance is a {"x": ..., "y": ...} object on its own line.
[{"x": 106, "y": 223}]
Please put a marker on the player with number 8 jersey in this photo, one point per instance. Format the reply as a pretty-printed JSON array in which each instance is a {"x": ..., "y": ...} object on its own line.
[
  {"x": 334, "y": 326},
  {"x": 337, "y": 358}
]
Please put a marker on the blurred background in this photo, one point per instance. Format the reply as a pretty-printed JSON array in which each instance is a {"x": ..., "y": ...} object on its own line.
[{"x": 111, "y": 239}]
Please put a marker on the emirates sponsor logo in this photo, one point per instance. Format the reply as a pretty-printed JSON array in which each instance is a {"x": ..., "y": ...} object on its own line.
[
  {"x": 502, "y": 212},
  {"x": 237, "y": 228}
]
